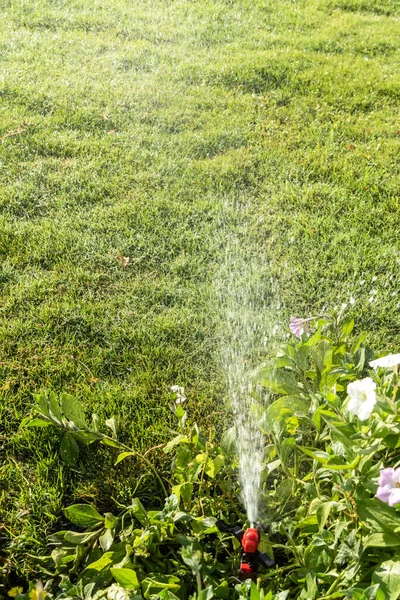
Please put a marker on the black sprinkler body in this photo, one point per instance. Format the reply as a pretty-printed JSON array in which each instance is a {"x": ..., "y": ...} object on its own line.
[{"x": 251, "y": 558}]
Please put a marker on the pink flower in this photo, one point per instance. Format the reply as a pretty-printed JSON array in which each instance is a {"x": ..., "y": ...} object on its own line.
[
  {"x": 389, "y": 486},
  {"x": 299, "y": 326}
]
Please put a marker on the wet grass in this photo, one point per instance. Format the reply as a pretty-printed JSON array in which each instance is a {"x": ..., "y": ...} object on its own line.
[{"x": 129, "y": 129}]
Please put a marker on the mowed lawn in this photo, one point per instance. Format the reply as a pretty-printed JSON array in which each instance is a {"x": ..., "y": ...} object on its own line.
[{"x": 134, "y": 129}]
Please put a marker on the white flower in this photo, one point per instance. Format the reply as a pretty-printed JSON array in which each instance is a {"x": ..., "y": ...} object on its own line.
[
  {"x": 180, "y": 393},
  {"x": 388, "y": 361},
  {"x": 362, "y": 397}
]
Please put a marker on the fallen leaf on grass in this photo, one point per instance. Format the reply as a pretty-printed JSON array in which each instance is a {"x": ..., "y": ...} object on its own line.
[{"x": 124, "y": 260}]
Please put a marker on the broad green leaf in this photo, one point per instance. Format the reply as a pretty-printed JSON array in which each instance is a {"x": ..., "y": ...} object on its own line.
[
  {"x": 42, "y": 404},
  {"x": 110, "y": 442},
  {"x": 382, "y": 540},
  {"x": 163, "y": 595},
  {"x": 278, "y": 381},
  {"x": 318, "y": 455},
  {"x": 222, "y": 591},
  {"x": 54, "y": 406},
  {"x": 387, "y": 575},
  {"x": 160, "y": 582},
  {"x": 286, "y": 449},
  {"x": 83, "y": 515},
  {"x": 347, "y": 327},
  {"x": 323, "y": 512},
  {"x": 284, "y": 490},
  {"x": 378, "y": 515},
  {"x": 127, "y": 578},
  {"x": 73, "y": 410},
  {"x": 37, "y": 423},
  {"x": 63, "y": 556},
  {"x": 179, "y": 439},
  {"x": 99, "y": 570},
  {"x": 322, "y": 354},
  {"x": 183, "y": 458},
  {"x": 139, "y": 512},
  {"x": 229, "y": 441},
  {"x": 69, "y": 449},
  {"x": 124, "y": 455},
  {"x": 184, "y": 491},
  {"x": 281, "y": 409},
  {"x": 86, "y": 437},
  {"x": 312, "y": 587},
  {"x": 113, "y": 425},
  {"x": 254, "y": 592},
  {"x": 207, "y": 593},
  {"x": 214, "y": 466},
  {"x": 73, "y": 537},
  {"x": 309, "y": 521},
  {"x": 110, "y": 521},
  {"x": 106, "y": 540}
]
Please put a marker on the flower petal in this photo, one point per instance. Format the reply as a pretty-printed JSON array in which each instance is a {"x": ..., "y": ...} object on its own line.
[
  {"x": 394, "y": 496},
  {"x": 388, "y": 361},
  {"x": 386, "y": 476},
  {"x": 383, "y": 494}
]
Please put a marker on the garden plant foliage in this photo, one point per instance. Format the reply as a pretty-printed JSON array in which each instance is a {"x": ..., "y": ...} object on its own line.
[{"x": 328, "y": 533}]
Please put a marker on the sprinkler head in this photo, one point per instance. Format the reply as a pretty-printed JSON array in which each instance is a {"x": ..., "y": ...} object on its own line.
[
  {"x": 251, "y": 557},
  {"x": 250, "y": 540}
]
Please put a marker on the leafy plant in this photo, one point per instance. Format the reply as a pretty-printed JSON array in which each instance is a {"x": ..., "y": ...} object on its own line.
[{"x": 332, "y": 431}]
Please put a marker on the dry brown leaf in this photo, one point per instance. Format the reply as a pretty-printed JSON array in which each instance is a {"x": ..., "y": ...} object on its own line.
[{"x": 124, "y": 260}]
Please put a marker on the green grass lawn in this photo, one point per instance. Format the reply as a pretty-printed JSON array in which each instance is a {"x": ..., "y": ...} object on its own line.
[{"x": 136, "y": 129}]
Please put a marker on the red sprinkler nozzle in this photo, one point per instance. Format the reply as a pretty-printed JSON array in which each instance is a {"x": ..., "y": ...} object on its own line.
[
  {"x": 251, "y": 557},
  {"x": 250, "y": 540}
]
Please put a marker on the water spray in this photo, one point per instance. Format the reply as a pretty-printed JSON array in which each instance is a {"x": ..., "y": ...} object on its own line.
[{"x": 251, "y": 558}]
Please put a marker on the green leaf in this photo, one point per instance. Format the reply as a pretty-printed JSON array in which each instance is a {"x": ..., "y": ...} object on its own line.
[
  {"x": 113, "y": 425},
  {"x": 286, "y": 449},
  {"x": 86, "y": 437},
  {"x": 229, "y": 441},
  {"x": 139, "y": 511},
  {"x": 73, "y": 410},
  {"x": 214, "y": 466},
  {"x": 110, "y": 521},
  {"x": 347, "y": 327},
  {"x": 179, "y": 439},
  {"x": 127, "y": 578},
  {"x": 76, "y": 538},
  {"x": 124, "y": 455},
  {"x": 278, "y": 381},
  {"x": 106, "y": 540},
  {"x": 42, "y": 404},
  {"x": 184, "y": 491},
  {"x": 37, "y": 423},
  {"x": 281, "y": 409},
  {"x": 381, "y": 517},
  {"x": 323, "y": 512},
  {"x": 99, "y": 570},
  {"x": 207, "y": 593},
  {"x": 382, "y": 540},
  {"x": 83, "y": 515},
  {"x": 110, "y": 442},
  {"x": 254, "y": 592},
  {"x": 387, "y": 575},
  {"x": 69, "y": 449},
  {"x": 160, "y": 582},
  {"x": 312, "y": 587},
  {"x": 54, "y": 406}
]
